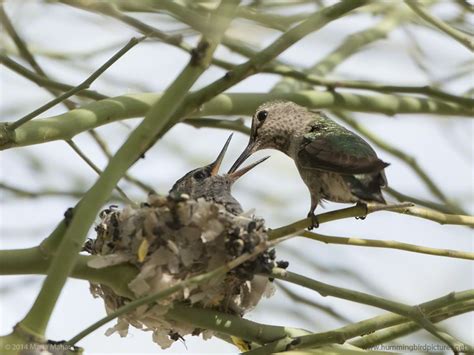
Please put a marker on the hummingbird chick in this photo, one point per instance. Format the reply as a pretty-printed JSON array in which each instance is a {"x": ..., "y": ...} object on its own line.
[
  {"x": 205, "y": 182},
  {"x": 335, "y": 163}
]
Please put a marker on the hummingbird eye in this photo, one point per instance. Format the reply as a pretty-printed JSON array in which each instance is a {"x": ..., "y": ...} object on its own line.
[
  {"x": 262, "y": 115},
  {"x": 199, "y": 175}
]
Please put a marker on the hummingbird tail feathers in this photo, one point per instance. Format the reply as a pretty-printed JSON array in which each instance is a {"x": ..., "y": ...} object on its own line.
[{"x": 368, "y": 187}]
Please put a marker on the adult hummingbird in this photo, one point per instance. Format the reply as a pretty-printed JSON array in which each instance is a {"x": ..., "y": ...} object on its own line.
[
  {"x": 335, "y": 163},
  {"x": 207, "y": 183}
]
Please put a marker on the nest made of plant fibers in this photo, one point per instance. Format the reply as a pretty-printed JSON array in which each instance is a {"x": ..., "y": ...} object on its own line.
[{"x": 171, "y": 239}]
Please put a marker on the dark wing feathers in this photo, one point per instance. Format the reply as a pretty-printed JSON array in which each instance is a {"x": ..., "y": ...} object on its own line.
[{"x": 329, "y": 146}]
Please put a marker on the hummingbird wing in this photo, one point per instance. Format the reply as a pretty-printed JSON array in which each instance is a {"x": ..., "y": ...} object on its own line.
[{"x": 329, "y": 146}]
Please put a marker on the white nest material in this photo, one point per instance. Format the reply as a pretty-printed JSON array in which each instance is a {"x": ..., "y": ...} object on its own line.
[{"x": 170, "y": 240}]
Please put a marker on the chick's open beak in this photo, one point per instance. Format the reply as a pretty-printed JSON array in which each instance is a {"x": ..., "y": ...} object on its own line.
[
  {"x": 234, "y": 175},
  {"x": 217, "y": 163}
]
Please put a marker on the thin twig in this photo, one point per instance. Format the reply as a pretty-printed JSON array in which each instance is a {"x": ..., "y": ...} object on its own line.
[
  {"x": 26, "y": 54},
  {"x": 237, "y": 125},
  {"x": 45, "y": 82},
  {"x": 82, "y": 86},
  {"x": 275, "y": 21},
  {"x": 34, "y": 194},
  {"x": 66, "y": 55},
  {"x": 109, "y": 9},
  {"x": 436, "y": 216},
  {"x": 96, "y": 168},
  {"x": 460, "y": 37},
  {"x": 389, "y": 244},
  {"x": 105, "y": 149},
  {"x": 309, "y": 302},
  {"x": 401, "y": 197},
  {"x": 22, "y": 48},
  {"x": 335, "y": 271}
]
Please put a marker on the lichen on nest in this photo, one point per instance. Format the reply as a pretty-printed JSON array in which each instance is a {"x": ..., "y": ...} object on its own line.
[{"x": 171, "y": 239}]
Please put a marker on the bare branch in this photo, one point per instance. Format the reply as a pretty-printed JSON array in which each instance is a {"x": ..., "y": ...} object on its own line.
[
  {"x": 465, "y": 40},
  {"x": 389, "y": 244}
]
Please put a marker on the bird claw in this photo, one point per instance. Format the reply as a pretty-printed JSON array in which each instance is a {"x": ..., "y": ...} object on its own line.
[
  {"x": 68, "y": 214},
  {"x": 366, "y": 211},
  {"x": 314, "y": 221}
]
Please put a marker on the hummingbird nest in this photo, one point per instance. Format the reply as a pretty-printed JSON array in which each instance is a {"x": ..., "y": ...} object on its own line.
[{"x": 170, "y": 239}]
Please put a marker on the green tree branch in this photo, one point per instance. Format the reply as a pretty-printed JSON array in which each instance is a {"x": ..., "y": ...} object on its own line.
[
  {"x": 414, "y": 313},
  {"x": 96, "y": 114},
  {"x": 375, "y": 327},
  {"x": 385, "y": 335},
  {"x": 34, "y": 261}
]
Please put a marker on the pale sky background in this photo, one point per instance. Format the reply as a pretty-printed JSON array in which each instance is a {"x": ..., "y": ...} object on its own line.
[{"x": 443, "y": 146}]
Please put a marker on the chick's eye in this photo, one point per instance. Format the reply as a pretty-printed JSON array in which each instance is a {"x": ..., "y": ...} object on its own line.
[
  {"x": 262, "y": 115},
  {"x": 199, "y": 175}
]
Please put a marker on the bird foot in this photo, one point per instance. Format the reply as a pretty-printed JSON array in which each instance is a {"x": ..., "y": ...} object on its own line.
[
  {"x": 68, "y": 214},
  {"x": 364, "y": 205},
  {"x": 314, "y": 221}
]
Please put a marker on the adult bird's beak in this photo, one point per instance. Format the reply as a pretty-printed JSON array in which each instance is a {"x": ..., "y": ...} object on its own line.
[
  {"x": 217, "y": 163},
  {"x": 245, "y": 154},
  {"x": 234, "y": 175}
]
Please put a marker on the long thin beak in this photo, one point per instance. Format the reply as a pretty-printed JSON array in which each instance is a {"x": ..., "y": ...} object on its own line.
[
  {"x": 245, "y": 154},
  {"x": 217, "y": 163},
  {"x": 234, "y": 175}
]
